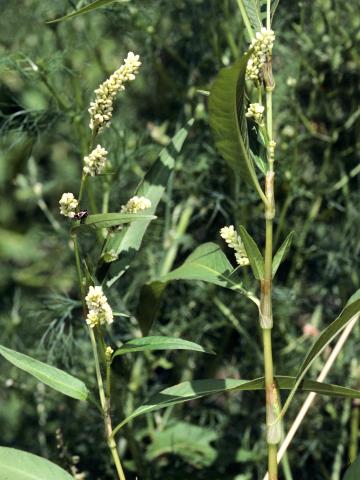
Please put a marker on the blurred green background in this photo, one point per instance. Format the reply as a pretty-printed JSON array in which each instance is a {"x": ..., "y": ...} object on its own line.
[{"x": 48, "y": 74}]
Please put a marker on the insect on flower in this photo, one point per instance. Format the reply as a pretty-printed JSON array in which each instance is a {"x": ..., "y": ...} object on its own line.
[{"x": 81, "y": 215}]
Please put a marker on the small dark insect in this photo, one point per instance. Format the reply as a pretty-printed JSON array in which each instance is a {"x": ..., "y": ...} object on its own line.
[{"x": 81, "y": 215}]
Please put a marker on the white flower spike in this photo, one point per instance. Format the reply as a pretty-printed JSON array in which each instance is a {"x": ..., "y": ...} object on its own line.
[
  {"x": 68, "y": 205},
  {"x": 99, "y": 310},
  {"x": 101, "y": 109},
  {"x": 232, "y": 238},
  {"x": 136, "y": 204},
  {"x": 261, "y": 46},
  {"x": 256, "y": 111},
  {"x": 95, "y": 162}
]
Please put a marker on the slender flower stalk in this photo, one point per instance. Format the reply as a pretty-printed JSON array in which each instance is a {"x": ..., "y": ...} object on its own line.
[{"x": 259, "y": 70}]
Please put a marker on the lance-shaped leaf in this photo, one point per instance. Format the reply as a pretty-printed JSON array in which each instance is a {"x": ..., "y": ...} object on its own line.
[
  {"x": 253, "y": 253},
  {"x": 186, "y": 391},
  {"x": 20, "y": 465},
  {"x": 107, "y": 220},
  {"x": 228, "y": 121},
  {"x": 51, "y": 376},
  {"x": 281, "y": 253},
  {"x": 207, "y": 263},
  {"x": 351, "y": 309},
  {"x": 158, "y": 343},
  {"x": 88, "y": 8},
  {"x": 126, "y": 243},
  {"x": 253, "y": 13}
]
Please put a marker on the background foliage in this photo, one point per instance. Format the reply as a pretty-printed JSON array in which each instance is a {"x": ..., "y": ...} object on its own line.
[{"x": 48, "y": 74}]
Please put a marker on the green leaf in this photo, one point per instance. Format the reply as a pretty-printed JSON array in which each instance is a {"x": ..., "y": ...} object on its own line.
[
  {"x": 149, "y": 303},
  {"x": 353, "y": 472},
  {"x": 186, "y": 391},
  {"x": 207, "y": 263},
  {"x": 228, "y": 121},
  {"x": 128, "y": 241},
  {"x": 88, "y": 8},
  {"x": 185, "y": 440},
  {"x": 281, "y": 253},
  {"x": 158, "y": 343},
  {"x": 252, "y": 10},
  {"x": 274, "y": 6},
  {"x": 20, "y": 465},
  {"x": 259, "y": 162},
  {"x": 253, "y": 253},
  {"x": 107, "y": 220},
  {"x": 325, "y": 337},
  {"x": 51, "y": 376}
]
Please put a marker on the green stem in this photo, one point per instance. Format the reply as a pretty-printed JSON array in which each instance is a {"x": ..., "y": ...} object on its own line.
[
  {"x": 104, "y": 400},
  {"x": 354, "y": 431},
  {"x": 268, "y": 14},
  {"x": 105, "y": 405}
]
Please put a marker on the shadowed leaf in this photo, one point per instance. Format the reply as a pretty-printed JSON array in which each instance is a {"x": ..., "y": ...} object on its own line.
[
  {"x": 88, "y": 8},
  {"x": 253, "y": 253}
]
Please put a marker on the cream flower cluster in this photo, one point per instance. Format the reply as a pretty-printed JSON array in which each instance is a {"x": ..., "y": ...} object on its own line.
[
  {"x": 95, "y": 161},
  {"x": 99, "y": 310},
  {"x": 101, "y": 109},
  {"x": 261, "y": 47},
  {"x": 136, "y": 204},
  {"x": 68, "y": 205},
  {"x": 233, "y": 239},
  {"x": 108, "y": 353},
  {"x": 256, "y": 111}
]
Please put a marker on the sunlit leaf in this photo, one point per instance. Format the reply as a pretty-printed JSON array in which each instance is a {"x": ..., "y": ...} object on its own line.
[
  {"x": 20, "y": 465},
  {"x": 158, "y": 343},
  {"x": 186, "y": 391},
  {"x": 207, "y": 263},
  {"x": 51, "y": 376}
]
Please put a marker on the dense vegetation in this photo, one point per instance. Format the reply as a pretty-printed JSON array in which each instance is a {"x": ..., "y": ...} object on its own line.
[{"x": 48, "y": 75}]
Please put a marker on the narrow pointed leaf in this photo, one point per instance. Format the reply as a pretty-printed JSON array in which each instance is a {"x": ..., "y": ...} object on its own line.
[
  {"x": 20, "y": 465},
  {"x": 88, "y": 8},
  {"x": 107, "y": 220},
  {"x": 186, "y": 391},
  {"x": 253, "y": 13},
  {"x": 253, "y": 253},
  {"x": 351, "y": 309},
  {"x": 281, "y": 253},
  {"x": 228, "y": 121},
  {"x": 207, "y": 263},
  {"x": 158, "y": 343},
  {"x": 51, "y": 376},
  {"x": 125, "y": 244}
]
